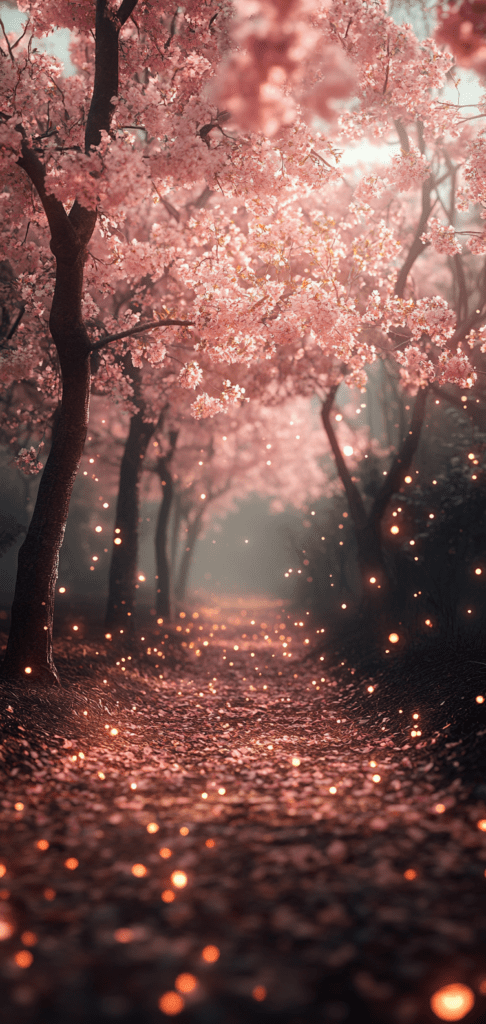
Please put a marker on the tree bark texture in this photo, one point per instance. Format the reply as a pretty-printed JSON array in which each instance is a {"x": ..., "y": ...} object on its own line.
[
  {"x": 123, "y": 568},
  {"x": 162, "y": 602},
  {"x": 29, "y": 653},
  {"x": 368, "y": 526},
  {"x": 193, "y": 532}
]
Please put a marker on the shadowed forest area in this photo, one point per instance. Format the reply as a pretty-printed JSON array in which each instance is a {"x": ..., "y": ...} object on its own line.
[{"x": 242, "y": 512}]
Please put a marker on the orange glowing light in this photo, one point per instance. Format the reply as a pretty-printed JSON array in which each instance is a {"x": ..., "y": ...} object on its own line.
[
  {"x": 28, "y": 670},
  {"x": 439, "y": 808},
  {"x": 480, "y": 700},
  {"x": 332, "y": 790},
  {"x": 113, "y": 732},
  {"x": 184, "y": 831},
  {"x": 185, "y": 983},
  {"x": 141, "y": 578},
  {"x": 19, "y": 806},
  {"x": 171, "y": 1003},
  {"x": 221, "y": 791},
  {"x": 394, "y": 529},
  {"x": 210, "y": 954},
  {"x": 6, "y": 930},
  {"x": 139, "y": 870},
  {"x": 408, "y": 479},
  {"x": 133, "y": 785},
  {"x": 179, "y": 879},
  {"x": 410, "y": 874},
  {"x": 372, "y": 764},
  {"x": 296, "y": 762},
  {"x": 42, "y": 844},
  {"x": 393, "y": 638},
  {"x": 371, "y": 689},
  {"x": 23, "y": 958},
  {"x": 107, "y": 637},
  {"x": 452, "y": 1002},
  {"x": 372, "y": 579},
  {"x": 29, "y": 938},
  {"x": 478, "y": 571},
  {"x": 376, "y": 778},
  {"x": 167, "y": 896},
  {"x": 117, "y": 540},
  {"x": 71, "y": 863},
  {"x": 482, "y": 825},
  {"x": 49, "y": 894},
  {"x": 165, "y": 852},
  {"x": 259, "y": 993},
  {"x": 123, "y": 935},
  {"x": 62, "y": 590},
  {"x": 210, "y": 843},
  {"x": 152, "y": 827}
]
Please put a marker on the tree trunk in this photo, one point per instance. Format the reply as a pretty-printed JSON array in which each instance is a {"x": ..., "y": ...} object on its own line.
[
  {"x": 162, "y": 600},
  {"x": 123, "y": 568},
  {"x": 375, "y": 576},
  {"x": 187, "y": 555},
  {"x": 29, "y": 650},
  {"x": 29, "y": 654}
]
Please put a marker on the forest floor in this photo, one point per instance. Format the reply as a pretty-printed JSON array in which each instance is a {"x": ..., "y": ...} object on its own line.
[{"x": 248, "y": 837}]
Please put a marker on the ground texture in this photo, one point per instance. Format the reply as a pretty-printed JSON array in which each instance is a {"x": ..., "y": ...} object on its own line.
[{"x": 250, "y": 836}]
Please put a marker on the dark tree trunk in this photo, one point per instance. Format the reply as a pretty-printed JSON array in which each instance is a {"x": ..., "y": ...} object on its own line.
[
  {"x": 29, "y": 644},
  {"x": 193, "y": 532},
  {"x": 123, "y": 568},
  {"x": 375, "y": 576},
  {"x": 162, "y": 601},
  {"x": 30, "y": 641},
  {"x": 176, "y": 525}
]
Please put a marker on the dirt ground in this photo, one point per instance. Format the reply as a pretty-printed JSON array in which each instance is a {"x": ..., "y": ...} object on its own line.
[{"x": 250, "y": 836}]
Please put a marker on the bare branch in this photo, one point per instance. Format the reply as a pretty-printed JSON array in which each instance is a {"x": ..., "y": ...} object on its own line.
[
  {"x": 150, "y": 326},
  {"x": 402, "y": 460},
  {"x": 125, "y": 10},
  {"x": 355, "y": 501}
]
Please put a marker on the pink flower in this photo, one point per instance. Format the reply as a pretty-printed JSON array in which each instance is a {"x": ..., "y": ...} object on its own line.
[{"x": 190, "y": 376}]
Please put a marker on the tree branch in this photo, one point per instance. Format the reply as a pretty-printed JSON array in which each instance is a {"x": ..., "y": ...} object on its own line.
[
  {"x": 355, "y": 501},
  {"x": 62, "y": 231},
  {"x": 417, "y": 247},
  {"x": 150, "y": 326},
  {"x": 125, "y": 10},
  {"x": 402, "y": 460}
]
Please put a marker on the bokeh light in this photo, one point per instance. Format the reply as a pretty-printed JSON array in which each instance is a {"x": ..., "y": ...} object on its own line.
[
  {"x": 171, "y": 1003},
  {"x": 452, "y": 1002},
  {"x": 210, "y": 954}
]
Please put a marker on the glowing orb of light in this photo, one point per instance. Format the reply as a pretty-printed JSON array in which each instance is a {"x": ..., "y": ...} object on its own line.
[
  {"x": 210, "y": 954},
  {"x": 348, "y": 449},
  {"x": 452, "y": 1002},
  {"x": 171, "y": 1003},
  {"x": 179, "y": 879},
  {"x": 394, "y": 638},
  {"x": 185, "y": 983}
]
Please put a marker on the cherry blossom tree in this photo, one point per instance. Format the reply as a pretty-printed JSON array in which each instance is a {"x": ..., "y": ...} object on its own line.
[{"x": 220, "y": 100}]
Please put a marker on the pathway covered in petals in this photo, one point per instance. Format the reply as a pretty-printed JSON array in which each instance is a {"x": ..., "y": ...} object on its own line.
[{"x": 246, "y": 838}]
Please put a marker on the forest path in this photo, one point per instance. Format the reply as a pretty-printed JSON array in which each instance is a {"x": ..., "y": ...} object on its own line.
[{"x": 239, "y": 826}]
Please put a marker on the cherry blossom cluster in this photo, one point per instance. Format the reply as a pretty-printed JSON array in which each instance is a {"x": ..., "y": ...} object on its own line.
[
  {"x": 28, "y": 460},
  {"x": 442, "y": 238},
  {"x": 278, "y": 43}
]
